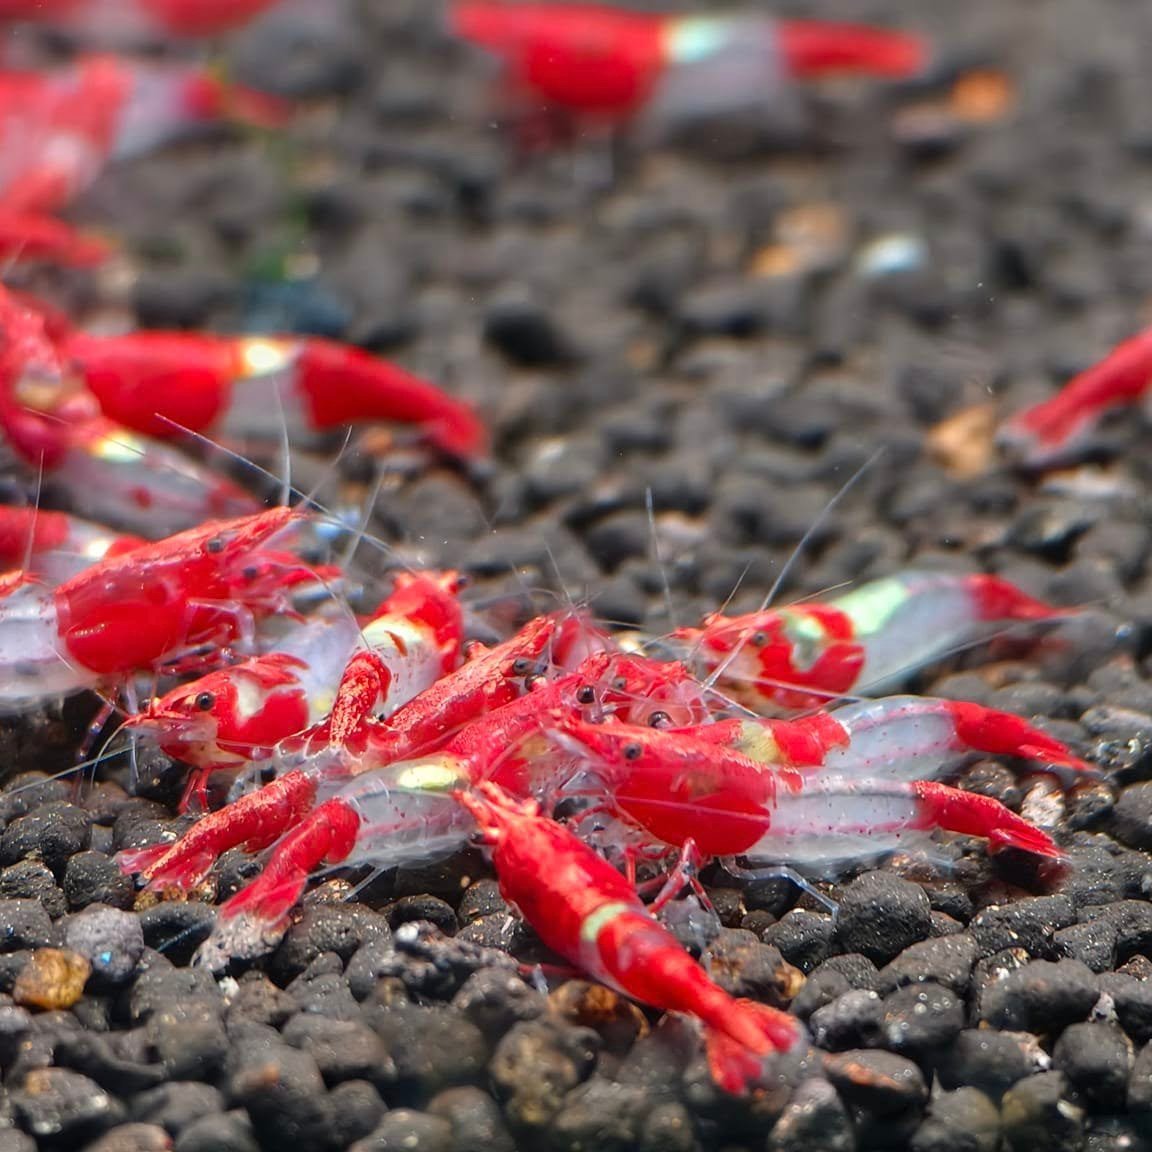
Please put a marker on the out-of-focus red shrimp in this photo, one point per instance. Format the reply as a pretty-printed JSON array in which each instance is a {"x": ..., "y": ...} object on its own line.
[
  {"x": 585, "y": 911},
  {"x": 25, "y": 238},
  {"x": 1051, "y": 431},
  {"x": 862, "y": 641},
  {"x": 62, "y": 127},
  {"x": 55, "y": 546},
  {"x": 614, "y": 66},
  {"x": 128, "y": 20},
  {"x": 160, "y": 382}
]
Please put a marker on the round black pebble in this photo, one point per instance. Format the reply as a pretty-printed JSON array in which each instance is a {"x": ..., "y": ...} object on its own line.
[
  {"x": 813, "y": 1120},
  {"x": 1041, "y": 997},
  {"x": 407, "y": 1131},
  {"x": 1097, "y": 1060},
  {"x": 881, "y": 915},
  {"x": 961, "y": 1121}
]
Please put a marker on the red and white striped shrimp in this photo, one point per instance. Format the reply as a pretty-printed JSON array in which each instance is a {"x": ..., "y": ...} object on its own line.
[
  {"x": 909, "y": 737},
  {"x": 121, "y": 21},
  {"x": 377, "y": 758},
  {"x": 234, "y": 715},
  {"x": 681, "y": 788},
  {"x": 110, "y": 474},
  {"x": 54, "y": 546},
  {"x": 160, "y": 383},
  {"x": 607, "y": 66},
  {"x": 63, "y": 126},
  {"x": 585, "y": 911},
  {"x": 195, "y": 593},
  {"x": 865, "y": 640}
]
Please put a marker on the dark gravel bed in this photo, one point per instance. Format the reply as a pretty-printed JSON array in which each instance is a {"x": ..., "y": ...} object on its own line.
[{"x": 735, "y": 334}]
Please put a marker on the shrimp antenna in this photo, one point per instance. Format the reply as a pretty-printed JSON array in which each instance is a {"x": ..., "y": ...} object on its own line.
[
  {"x": 30, "y": 546},
  {"x": 285, "y": 447},
  {"x": 380, "y": 545},
  {"x": 790, "y": 563},
  {"x": 657, "y": 554}
]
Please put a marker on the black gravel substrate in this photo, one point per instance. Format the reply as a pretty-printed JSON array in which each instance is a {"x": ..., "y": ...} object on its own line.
[{"x": 736, "y": 334}]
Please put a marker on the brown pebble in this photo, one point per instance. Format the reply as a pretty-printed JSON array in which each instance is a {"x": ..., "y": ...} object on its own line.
[
  {"x": 963, "y": 444},
  {"x": 53, "y": 979},
  {"x": 619, "y": 1022}
]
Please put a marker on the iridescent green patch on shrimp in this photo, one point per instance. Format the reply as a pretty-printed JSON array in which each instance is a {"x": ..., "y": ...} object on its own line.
[{"x": 872, "y": 606}]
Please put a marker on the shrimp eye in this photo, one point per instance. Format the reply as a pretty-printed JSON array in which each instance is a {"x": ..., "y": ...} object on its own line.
[
  {"x": 250, "y": 573},
  {"x": 659, "y": 720},
  {"x": 632, "y": 751},
  {"x": 586, "y": 695},
  {"x": 215, "y": 545},
  {"x": 619, "y": 683},
  {"x": 759, "y": 639},
  {"x": 205, "y": 701},
  {"x": 267, "y": 773}
]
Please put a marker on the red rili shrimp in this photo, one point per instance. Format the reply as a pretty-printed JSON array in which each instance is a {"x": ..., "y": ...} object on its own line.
[
  {"x": 865, "y": 640},
  {"x": 449, "y": 709},
  {"x": 120, "y": 20},
  {"x": 160, "y": 383},
  {"x": 237, "y": 714},
  {"x": 680, "y": 788},
  {"x": 54, "y": 546},
  {"x": 585, "y": 911},
  {"x": 1050, "y": 431},
  {"x": 611, "y": 66},
  {"x": 76, "y": 119},
  {"x": 141, "y": 610}
]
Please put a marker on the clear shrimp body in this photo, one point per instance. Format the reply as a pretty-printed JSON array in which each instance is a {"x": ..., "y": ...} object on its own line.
[
  {"x": 901, "y": 737},
  {"x": 865, "y": 641}
]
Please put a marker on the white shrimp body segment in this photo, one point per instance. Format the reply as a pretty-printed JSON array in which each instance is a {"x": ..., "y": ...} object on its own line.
[
  {"x": 409, "y": 653},
  {"x": 896, "y": 738}
]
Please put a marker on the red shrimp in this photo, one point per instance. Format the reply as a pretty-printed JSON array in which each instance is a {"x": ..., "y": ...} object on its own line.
[
  {"x": 54, "y": 546},
  {"x": 862, "y": 641},
  {"x": 680, "y": 789},
  {"x": 237, "y": 714},
  {"x": 159, "y": 383},
  {"x": 585, "y": 911},
  {"x": 130, "y": 20},
  {"x": 1051, "y": 431},
  {"x": 111, "y": 474},
  {"x": 611, "y": 66},
  {"x": 446, "y": 711},
  {"x": 909, "y": 736},
  {"x": 74, "y": 120},
  {"x": 197, "y": 593}
]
